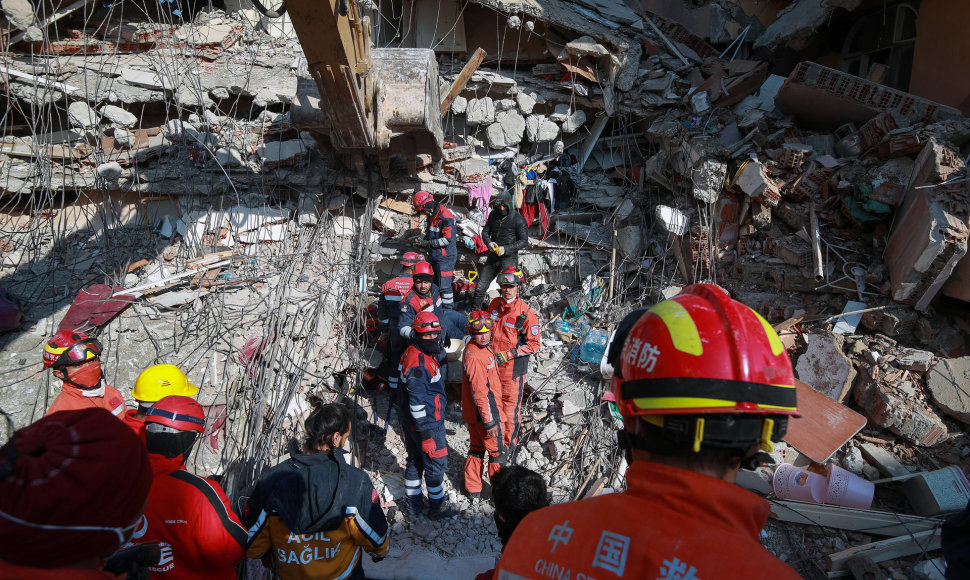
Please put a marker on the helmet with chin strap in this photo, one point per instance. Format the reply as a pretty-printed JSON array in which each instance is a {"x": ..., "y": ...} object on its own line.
[
  {"x": 422, "y": 201},
  {"x": 172, "y": 425},
  {"x": 706, "y": 370}
]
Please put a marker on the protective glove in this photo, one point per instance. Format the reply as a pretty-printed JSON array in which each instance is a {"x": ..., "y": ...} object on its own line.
[
  {"x": 503, "y": 357},
  {"x": 420, "y": 243},
  {"x": 431, "y": 449},
  {"x": 500, "y": 250}
]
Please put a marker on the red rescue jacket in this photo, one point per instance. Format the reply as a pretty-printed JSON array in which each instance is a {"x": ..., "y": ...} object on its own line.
[
  {"x": 189, "y": 516},
  {"x": 509, "y": 334},
  {"x": 481, "y": 389},
  {"x": 73, "y": 398},
  {"x": 669, "y": 523}
]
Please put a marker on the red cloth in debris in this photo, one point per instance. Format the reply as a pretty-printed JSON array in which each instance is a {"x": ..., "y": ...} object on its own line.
[
  {"x": 94, "y": 306},
  {"x": 529, "y": 212},
  {"x": 480, "y": 247},
  {"x": 72, "y": 468}
]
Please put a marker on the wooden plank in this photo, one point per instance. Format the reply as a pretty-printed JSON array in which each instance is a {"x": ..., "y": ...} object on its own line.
[
  {"x": 890, "y": 549},
  {"x": 867, "y": 521},
  {"x": 398, "y": 206},
  {"x": 824, "y": 426},
  {"x": 462, "y": 79}
]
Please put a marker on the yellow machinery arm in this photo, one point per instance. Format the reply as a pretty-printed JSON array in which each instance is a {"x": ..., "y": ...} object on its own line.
[{"x": 381, "y": 100}]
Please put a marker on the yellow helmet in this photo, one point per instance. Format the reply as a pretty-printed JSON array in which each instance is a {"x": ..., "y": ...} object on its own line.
[{"x": 160, "y": 381}]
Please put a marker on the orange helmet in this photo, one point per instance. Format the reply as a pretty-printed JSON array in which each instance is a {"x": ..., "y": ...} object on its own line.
[
  {"x": 67, "y": 348},
  {"x": 702, "y": 353},
  {"x": 410, "y": 259},
  {"x": 479, "y": 322},
  {"x": 422, "y": 268},
  {"x": 177, "y": 412},
  {"x": 422, "y": 200},
  {"x": 425, "y": 322}
]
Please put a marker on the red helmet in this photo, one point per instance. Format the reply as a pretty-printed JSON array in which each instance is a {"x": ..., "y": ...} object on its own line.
[
  {"x": 422, "y": 200},
  {"x": 515, "y": 271},
  {"x": 177, "y": 412},
  {"x": 702, "y": 353},
  {"x": 422, "y": 268},
  {"x": 410, "y": 259},
  {"x": 70, "y": 348},
  {"x": 479, "y": 322},
  {"x": 371, "y": 318},
  {"x": 425, "y": 322}
]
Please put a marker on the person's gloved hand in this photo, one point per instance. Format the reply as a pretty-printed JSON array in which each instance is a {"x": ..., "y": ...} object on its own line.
[
  {"x": 431, "y": 448},
  {"x": 500, "y": 250},
  {"x": 420, "y": 243},
  {"x": 503, "y": 357}
]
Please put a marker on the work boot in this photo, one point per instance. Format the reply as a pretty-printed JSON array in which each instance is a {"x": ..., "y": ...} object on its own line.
[
  {"x": 413, "y": 505},
  {"x": 441, "y": 511}
]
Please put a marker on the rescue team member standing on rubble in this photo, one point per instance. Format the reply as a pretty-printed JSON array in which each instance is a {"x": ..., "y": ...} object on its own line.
[
  {"x": 188, "y": 516},
  {"x": 439, "y": 241},
  {"x": 481, "y": 404},
  {"x": 703, "y": 381},
  {"x": 75, "y": 358},
  {"x": 516, "y": 336},
  {"x": 72, "y": 489},
  {"x": 313, "y": 515},
  {"x": 424, "y": 298},
  {"x": 421, "y": 405},
  {"x": 152, "y": 385},
  {"x": 505, "y": 233},
  {"x": 389, "y": 310}
]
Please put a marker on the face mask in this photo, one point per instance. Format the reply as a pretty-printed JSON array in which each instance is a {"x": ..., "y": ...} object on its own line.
[
  {"x": 87, "y": 378},
  {"x": 428, "y": 345},
  {"x": 503, "y": 210}
]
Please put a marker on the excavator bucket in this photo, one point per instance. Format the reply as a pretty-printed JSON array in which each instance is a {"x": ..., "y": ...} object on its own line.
[{"x": 371, "y": 100}]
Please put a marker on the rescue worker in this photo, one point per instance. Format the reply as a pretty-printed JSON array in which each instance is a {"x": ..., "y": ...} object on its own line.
[
  {"x": 72, "y": 490},
  {"x": 313, "y": 515},
  {"x": 424, "y": 297},
  {"x": 421, "y": 406},
  {"x": 481, "y": 404},
  {"x": 516, "y": 492},
  {"x": 389, "y": 310},
  {"x": 187, "y": 515},
  {"x": 152, "y": 384},
  {"x": 505, "y": 233},
  {"x": 516, "y": 336},
  {"x": 75, "y": 358},
  {"x": 703, "y": 382},
  {"x": 439, "y": 241}
]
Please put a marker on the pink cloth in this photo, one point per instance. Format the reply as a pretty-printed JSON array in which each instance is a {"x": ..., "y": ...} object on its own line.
[{"x": 480, "y": 194}]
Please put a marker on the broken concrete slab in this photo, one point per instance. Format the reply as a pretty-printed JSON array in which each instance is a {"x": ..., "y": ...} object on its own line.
[
  {"x": 914, "y": 360},
  {"x": 825, "y": 367},
  {"x": 903, "y": 414},
  {"x": 709, "y": 180},
  {"x": 282, "y": 152},
  {"x": 459, "y": 106},
  {"x": 885, "y": 461},
  {"x": 81, "y": 115},
  {"x": 574, "y": 121},
  {"x": 119, "y": 116},
  {"x": 506, "y": 131},
  {"x": 526, "y": 102},
  {"x": 947, "y": 382},
  {"x": 539, "y": 129},
  {"x": 480, "y": 111},
  {"x": 229, "y": 157}
]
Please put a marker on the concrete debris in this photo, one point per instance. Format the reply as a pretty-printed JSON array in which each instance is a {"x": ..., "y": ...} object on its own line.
[
  {"x": 83, "y": 116},
  {"x": 507, "y": 130},
  {"x": 825, "y": 367},
  {"x": 119, "y": 116},
  {"x": 947, "y": 382},
  {"x": 480, "y": 111}
]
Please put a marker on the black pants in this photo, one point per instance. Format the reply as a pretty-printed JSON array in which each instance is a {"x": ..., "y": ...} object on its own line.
[{"x": 487, "y": 272}]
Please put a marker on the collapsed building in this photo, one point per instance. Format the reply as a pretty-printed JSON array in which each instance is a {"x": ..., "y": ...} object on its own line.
[{"x": 160, "y": 189}]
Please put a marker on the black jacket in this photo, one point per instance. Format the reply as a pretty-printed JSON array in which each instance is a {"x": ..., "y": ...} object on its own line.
[{"x": 510, "y": 232}]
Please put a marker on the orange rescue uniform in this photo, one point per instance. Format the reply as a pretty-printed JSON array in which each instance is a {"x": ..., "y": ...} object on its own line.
[
  {"x": 516, "y": 332},
  {"x": 670, "y": 523},
  {"x": 481, "y": 408},
  {"x": 73, "y": 398}
]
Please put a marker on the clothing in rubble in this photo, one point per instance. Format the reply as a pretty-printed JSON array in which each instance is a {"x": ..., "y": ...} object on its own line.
[
  {"x": 191, "y": 520},
  {"x": 315, "y": 516},
  {"x": 442, "y": 250},
  {"x": 421, "y": 406},
  {"x": 669, "y": 523},
  {"x": 481, "y": 409},
  {"x": 389, "y": 311},
  {"x": 509, "y": 230},
  {"x": 516, "y": 333}
]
